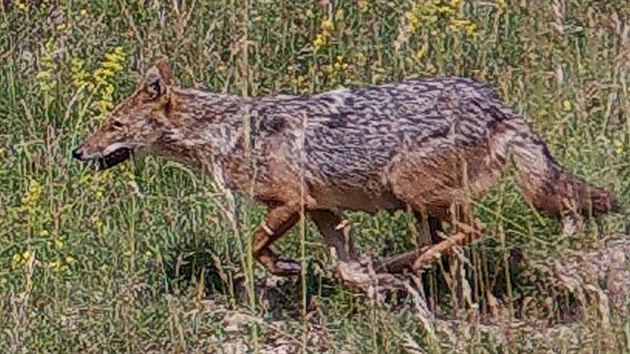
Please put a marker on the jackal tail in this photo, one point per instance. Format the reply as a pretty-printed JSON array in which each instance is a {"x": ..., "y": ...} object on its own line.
[{"x": 548, "y": 186}]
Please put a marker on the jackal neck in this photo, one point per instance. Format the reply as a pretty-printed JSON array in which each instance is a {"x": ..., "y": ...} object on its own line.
[{"x": 202, "y": 127}]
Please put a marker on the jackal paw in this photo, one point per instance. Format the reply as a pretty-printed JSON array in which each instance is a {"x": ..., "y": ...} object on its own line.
[
  {"x": 360, "y": 275},
  {"x": 286, "y": 267}
]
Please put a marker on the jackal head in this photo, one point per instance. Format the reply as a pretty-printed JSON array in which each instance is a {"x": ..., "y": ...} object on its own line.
[{"x": 135, "y": 125}]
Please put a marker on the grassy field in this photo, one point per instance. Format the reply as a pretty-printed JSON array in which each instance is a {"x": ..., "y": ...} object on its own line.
[{"x": 145, "y": 257}]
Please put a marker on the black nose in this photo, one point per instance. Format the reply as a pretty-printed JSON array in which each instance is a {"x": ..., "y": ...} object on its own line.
[{"x": 77, "y": 153}]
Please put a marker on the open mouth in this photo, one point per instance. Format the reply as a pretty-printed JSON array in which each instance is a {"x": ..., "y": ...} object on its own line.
[{"x": 113, "y": 159}]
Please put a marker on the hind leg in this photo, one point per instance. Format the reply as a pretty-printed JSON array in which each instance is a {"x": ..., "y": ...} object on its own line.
[
  {"x": 439, "y": 180},
  {"x": 433, "y": 225},
  {"x": 465, "y": 230},
  {"x": 336, "y": 235}
]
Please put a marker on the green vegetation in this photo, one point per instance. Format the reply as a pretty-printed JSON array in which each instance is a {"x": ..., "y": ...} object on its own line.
[{"x": 146, "y": 257}]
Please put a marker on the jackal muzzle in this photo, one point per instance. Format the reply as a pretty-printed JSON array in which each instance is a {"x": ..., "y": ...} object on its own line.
[{"x": 108, "y": 161}]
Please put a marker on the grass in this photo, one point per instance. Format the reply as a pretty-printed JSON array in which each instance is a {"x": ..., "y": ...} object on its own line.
[{"x": 146, "y": 257}]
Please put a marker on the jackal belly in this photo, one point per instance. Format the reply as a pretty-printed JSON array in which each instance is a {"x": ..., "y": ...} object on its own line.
[
  {"x": 351, "y": 176},
  {"x": 354, "y": 198}
]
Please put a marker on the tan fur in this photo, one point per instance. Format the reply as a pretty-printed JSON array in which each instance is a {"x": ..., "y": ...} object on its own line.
[{"x": 434, "y": 145}]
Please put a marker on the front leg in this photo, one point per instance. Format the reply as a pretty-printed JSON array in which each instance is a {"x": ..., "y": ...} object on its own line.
[
  {"x": 335, "y": 233},
  {"x": 434, "y": 225},
  {"x": 352, "y": 269},
  {"x": 277, "y": 222}
]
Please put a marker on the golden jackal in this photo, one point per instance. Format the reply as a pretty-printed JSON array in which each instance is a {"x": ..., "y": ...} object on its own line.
[{"x": 425, "y": 144}]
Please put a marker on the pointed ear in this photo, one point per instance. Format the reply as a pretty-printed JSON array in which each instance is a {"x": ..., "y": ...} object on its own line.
[{"x": 158, "y": 78}]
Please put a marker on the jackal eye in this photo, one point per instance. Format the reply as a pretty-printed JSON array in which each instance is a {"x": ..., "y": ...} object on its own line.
[{"x": 117, "y": 125}]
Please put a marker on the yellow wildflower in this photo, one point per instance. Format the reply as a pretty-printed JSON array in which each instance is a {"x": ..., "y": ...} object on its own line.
[
  {"x": 327, "y": 25},
  {"x": 96, "y": 222},
  {"x": 618, "y": 145},
  {"x": 104, "y": 72},
  {"x": 80, "y": 77},
  {"x": 340, "y": 64},
  {"x": 464, "y": 25},
  {"x": 59, "y": 243},
  {"x": 55, "y": 266},
  {"x": 364, "y": 5},
  {"x": 61, "y": 266},
  {"x": 112, "y": 67},
  {"x": 445, "y": 10},
  {"x": 339, "y": 15},
  {"x": 31, "y": 197},
  {"x": 45, "y": 76},
  {"x": 359, "y": 59},
  {"x": 298, "y": 82},
  {"x": 320, "y": 41},
  {"x": 16, "y": 261},
  {"x": 117, "y": 56},
  {"x": 19, "y": 260},
  {"x": 566, "y": 106},
  {"x": 412, "y": 19},
  {"x": 21, "y": 5},
  {"x": 422, "y": 52},
  {"x": 104, "y": 88}
]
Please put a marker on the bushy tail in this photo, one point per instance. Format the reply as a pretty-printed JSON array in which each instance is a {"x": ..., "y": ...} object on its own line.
[{"x": 549, "y": 187}]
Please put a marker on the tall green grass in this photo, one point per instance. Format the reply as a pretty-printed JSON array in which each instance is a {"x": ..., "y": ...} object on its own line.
[{"x": 150, "y": 257}]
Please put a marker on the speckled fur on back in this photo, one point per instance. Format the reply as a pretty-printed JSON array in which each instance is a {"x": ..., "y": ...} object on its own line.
[
  {"x": 426, "y": 144},
  {"x": 356, "y": 146}
]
